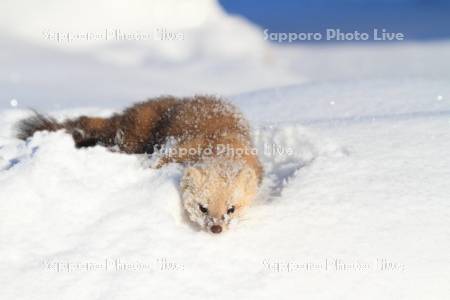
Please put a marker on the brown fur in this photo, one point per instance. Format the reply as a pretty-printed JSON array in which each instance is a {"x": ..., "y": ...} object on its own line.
[{"x": 201, "y": 122}]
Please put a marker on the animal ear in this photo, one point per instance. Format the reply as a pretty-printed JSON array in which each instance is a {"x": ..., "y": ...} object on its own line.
[
  {"x": 193, "y": 175},
  {"x": 246, "y": 177}
]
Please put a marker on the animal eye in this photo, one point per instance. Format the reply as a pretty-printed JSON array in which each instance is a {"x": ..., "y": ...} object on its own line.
[
  {"x": 203, "y": 209},
  {"x": 230, "y": 210}
]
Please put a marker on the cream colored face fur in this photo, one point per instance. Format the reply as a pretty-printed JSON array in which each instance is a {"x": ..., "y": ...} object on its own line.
[{"x": 214, "y": 194}]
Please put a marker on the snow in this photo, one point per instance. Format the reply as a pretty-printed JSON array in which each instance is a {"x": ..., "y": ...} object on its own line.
[{"x": 358, "y": 209}]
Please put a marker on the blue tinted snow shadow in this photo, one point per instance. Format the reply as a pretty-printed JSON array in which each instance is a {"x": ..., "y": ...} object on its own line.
[
  {"x": 17, "y": 160},
  {"x": 11, "y": 163}
]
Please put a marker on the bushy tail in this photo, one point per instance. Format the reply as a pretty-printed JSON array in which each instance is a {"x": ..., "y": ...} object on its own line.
[
  {"x": 38, "y": 122},
  {"x": 85, "y": 131}
]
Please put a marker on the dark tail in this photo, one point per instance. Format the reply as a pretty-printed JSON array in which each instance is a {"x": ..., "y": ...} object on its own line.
[
  {"x": 86, "y": 131},
  {"x": 38, "y": 122}
]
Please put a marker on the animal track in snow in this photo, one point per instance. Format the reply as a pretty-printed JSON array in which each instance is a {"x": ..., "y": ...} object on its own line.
[{"x": 285, "y": 149}]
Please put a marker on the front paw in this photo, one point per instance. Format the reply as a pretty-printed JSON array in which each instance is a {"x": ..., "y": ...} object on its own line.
[
  {"x": 78, "y": 135},
  {"x": 81, "y": 139}
]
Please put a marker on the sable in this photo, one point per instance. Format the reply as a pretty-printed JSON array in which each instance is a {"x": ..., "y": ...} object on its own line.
[
  {"x": 194, "y": 129},
  {"x": 200, "y": 122}
]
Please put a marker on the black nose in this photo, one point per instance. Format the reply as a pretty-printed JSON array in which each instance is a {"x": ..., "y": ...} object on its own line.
[{"x": 216, "y": 229}]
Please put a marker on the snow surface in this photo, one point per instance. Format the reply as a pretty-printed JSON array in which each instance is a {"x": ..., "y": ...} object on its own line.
[{"x": 360, "y": 209}]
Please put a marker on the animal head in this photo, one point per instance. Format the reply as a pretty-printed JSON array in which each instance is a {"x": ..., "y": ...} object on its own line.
[{"x": 215, "y": 194}]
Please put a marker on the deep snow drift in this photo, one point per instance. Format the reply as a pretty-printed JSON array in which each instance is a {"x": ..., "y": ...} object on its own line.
[{"x": 354, "y": 203}]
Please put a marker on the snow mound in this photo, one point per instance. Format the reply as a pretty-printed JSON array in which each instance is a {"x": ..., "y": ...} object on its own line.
[
  {"x": 58, "y": 177},
  {"x": 135, "y": 31}
]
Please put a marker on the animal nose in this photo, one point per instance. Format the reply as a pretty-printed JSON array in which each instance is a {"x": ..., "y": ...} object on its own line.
[{"x": 216, "y": 229}]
